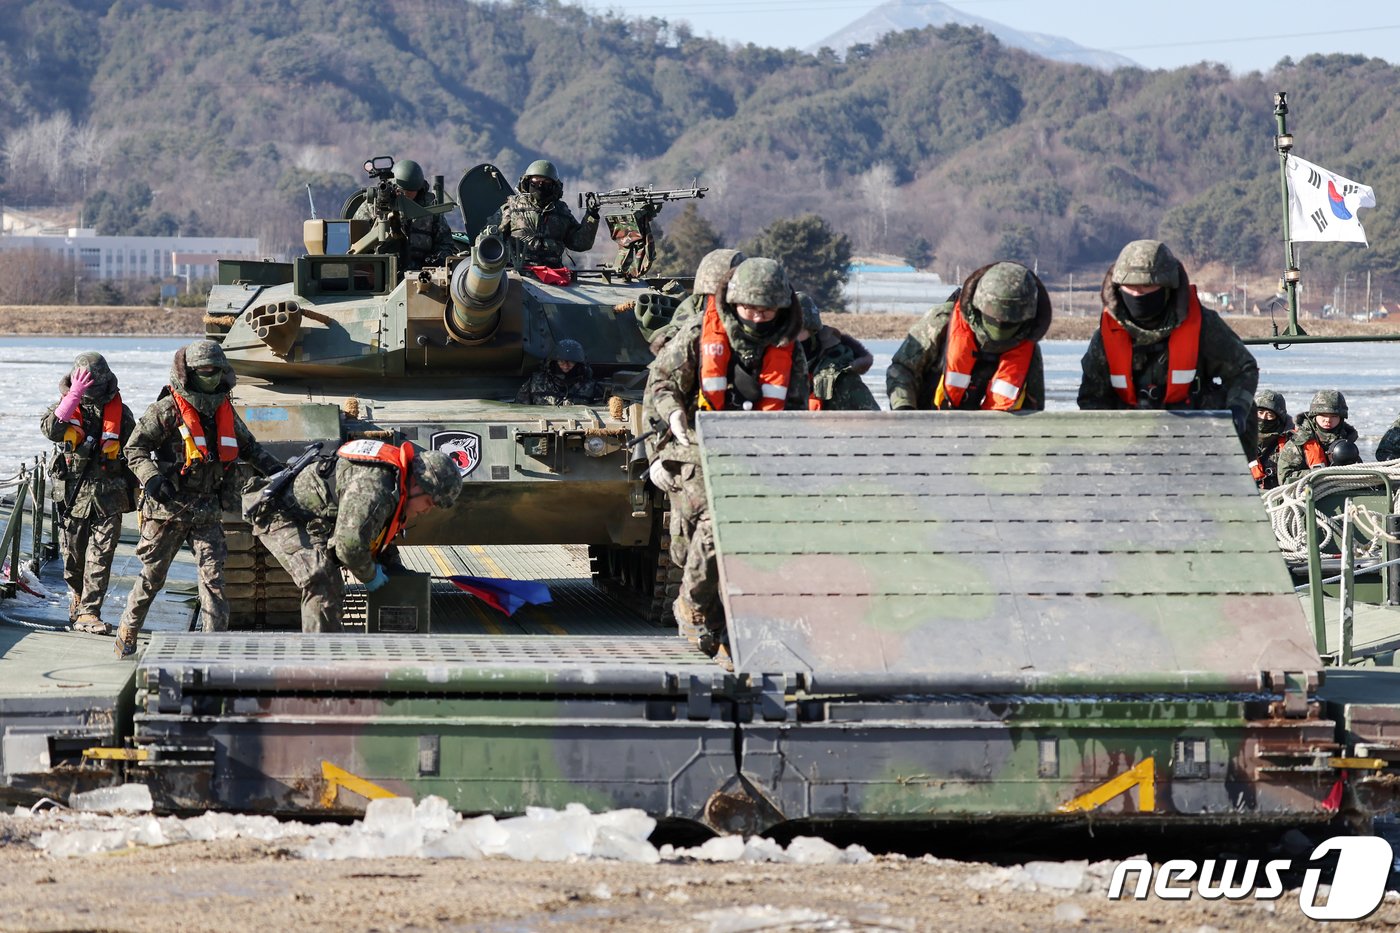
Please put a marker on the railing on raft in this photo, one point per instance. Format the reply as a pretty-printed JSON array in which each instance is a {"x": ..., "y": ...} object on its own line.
[{"x": 29, "y": 487}]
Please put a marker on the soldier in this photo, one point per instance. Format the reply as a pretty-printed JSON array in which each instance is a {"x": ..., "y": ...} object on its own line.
[
  {"x": 429, "y": 238},
  {"x": 739, "y": 355},
  {"x": 980, "y": 349},
  {"x": 1158, "y": 347},
  {"x": 343, "y": 511},
  {"x": 540, "y": 224},
  {"x": 1323, "y": 438},
  {"x": 1275, "y": 428},
  {"x": 185, "y": 452},
  {"x": 91, "y": 482},
  {"x": 707, "y": 275},
  {"x": 564, "y": 379},
  {"x": 835, "y": 363},
  {"x": 1389, "y": 446}
]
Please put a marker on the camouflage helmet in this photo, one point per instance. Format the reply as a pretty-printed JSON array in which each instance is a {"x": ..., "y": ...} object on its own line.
[
  {"x": 1269, "y": 400},
  {"x": 1007, "y": 294},
  {"x": 205, "y": 353},
  {"x": 1328, "y": 402},
  {"x": 104, "y": 383},
  {"x": 713, "y": 267},
  {"x": 541, "y": 167},
  {"x": 1146, "y": 262},
  {"x": 408, "y": 175},
  {"x": 438, "y": 476},
  {"x": 568, "y": 351},
  {"x": 811, "y": 314},
  {"x": 759, "y": 282}
]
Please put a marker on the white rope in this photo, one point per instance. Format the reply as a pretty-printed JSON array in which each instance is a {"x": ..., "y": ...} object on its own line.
[{"x": 1288, "y": 514}]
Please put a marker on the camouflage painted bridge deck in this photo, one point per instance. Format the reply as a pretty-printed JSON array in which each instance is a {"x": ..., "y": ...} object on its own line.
[{"x": 984, "y": 551}]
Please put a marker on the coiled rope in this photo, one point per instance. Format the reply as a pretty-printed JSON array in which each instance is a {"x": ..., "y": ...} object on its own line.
[{"x": 1287, "y": 508}]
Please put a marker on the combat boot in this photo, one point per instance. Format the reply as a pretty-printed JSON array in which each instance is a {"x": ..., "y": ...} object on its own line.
[
  {"x": 690, "y": 622},
  {"x": 91, "y": 624},
  {"x": 126, "y": 641},
  {"x": 712, "y": 643},
  {"x": 73, "y": 606}
]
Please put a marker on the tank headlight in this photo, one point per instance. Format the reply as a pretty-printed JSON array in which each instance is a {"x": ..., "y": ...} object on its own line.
[{"x": 595, "y": 446}]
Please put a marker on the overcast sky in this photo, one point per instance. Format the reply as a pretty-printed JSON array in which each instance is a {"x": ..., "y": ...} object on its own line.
[{"x": 1247, "y": 35}]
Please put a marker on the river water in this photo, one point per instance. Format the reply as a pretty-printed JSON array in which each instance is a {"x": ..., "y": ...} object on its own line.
[{"x": 31, "y": 367}]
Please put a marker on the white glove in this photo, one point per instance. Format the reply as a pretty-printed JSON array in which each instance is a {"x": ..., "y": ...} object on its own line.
[
  {"x": 678, "y": 428},
  {"x": 662, "y": 478}
]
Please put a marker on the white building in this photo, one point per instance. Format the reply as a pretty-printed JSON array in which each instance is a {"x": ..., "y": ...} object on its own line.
[{"x": 119, "y": 257}]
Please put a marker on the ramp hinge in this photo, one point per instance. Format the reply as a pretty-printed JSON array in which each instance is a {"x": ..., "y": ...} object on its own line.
[
  {"x": 700, "y": 698},
  {"x": 1297, "y": 688},
  {"x": 772, "y": 697},
  {"x": 170, "y": 697}
]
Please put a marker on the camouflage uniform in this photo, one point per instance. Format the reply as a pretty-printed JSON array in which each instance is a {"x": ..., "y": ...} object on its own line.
[
  {"x": 1273, "y": 435},
  {"x": 835, "y": 363},
  {"x": 1293, "y": 459},
  {"x": 549, "y": 385},
  {"x": 429, "y": 238},
  {"x": 92, "y": 491},
  {"x": 541, "y": 225},
  {"x": 917, "y": 366},
  {"x": 201, "y": 494},
  {"x": 1226, "y": 373},
  {"x": 712, "y": 269},
  {"x": 331, "y": 516},
  {"x": 674, "y": 386},
  {"x": 1389, "y": 447}
]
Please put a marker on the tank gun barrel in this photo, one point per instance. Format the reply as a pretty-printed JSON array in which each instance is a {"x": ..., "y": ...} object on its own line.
[{"x": 478, "y": 289}]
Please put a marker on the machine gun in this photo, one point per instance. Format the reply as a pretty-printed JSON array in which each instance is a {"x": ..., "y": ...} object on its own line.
[
  {"x": 278, "y": 482},
  {"x": 630, "y": 224},
  {"x": 390, "y": 210}
]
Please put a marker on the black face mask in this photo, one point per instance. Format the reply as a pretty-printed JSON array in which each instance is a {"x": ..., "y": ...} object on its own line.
[
  {"x": 760, "y": 331},
  {"x": 1146, "y": 310}
]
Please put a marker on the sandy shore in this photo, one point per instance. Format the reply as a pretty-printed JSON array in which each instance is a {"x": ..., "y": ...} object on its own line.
[{"x": 142, "y": 321}]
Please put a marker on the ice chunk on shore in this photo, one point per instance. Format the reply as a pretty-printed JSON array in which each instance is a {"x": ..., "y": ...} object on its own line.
[{"x": 130, "y": 798}]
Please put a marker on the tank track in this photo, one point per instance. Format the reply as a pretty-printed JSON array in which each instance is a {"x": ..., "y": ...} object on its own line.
[
  {"x": 646, "y": 573},
  {"x": 261, "y": 594}
]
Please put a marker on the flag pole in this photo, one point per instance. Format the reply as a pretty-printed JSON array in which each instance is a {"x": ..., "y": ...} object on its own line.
[{"x": 1283, "y": 142}]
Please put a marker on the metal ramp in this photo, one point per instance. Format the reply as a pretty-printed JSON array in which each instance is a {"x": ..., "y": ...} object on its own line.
[{"x": 985, "y": 552}]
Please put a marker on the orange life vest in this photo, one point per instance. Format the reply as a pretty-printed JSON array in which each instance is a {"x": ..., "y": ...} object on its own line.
[
  {"x": 714, "y": 367},
  {"x": 192, "y": 431},
  {"x": 1006, "y": 391},
  {"x": 1315, "y": 453},
  {"x": 401, "y": 459},
  {"x": 75, "y": 433},
  {"x": 1256, "y": 467},
  {"x": 1183, "y": 347}
]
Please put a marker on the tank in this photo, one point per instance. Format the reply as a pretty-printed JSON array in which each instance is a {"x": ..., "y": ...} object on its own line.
[{"x": 344, "y": 343}]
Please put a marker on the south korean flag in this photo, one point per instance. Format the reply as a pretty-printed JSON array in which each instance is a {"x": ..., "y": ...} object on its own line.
[{"x": 1322, "y": 205}]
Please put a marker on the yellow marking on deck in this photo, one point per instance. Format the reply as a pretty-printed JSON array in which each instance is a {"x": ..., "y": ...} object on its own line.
[
  {"x": 488, "y": 561},
  {"x": 1361, "y": 764},
  {"x": 118, "y": 754},
  {"x": 1142, "y": 776},
  {"x": 436, "y": 554},
  {"x": 336, "y": 778}
]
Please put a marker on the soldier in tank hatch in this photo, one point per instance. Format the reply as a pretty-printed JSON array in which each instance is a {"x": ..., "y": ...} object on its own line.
[
  {"x": 739, "y": 355},
  {"x": 1275, "y": 428},
  {"x": 184, "y": 452},
  {"x": 1158, "y": 347},
  {"x": 429, "y": 238},
  {"x": 980, "y": 349},
  {"x": 344, "y": 511},
  {"x": 1323, "y": 438},
  {"x": 563, "y": 379},
  {"x": 91, "y": 482},
  {"x": 538, "y": 222},
  {"x": 835, "y": 364}
]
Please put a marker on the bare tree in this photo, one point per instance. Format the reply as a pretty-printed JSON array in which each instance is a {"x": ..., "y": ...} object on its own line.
[
  {"x": 36, "y": 277},
  {"x": 878, "y": 190}
]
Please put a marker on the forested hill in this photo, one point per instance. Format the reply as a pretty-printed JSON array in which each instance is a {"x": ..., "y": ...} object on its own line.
[{"x": 213, "y": 115}]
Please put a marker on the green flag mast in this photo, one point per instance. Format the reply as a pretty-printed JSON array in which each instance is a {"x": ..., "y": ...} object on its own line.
[{"x": 1283, "y": 142}]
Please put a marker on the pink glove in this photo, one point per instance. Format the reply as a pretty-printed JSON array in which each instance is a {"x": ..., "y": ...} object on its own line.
[{"x": 82, "y": 381}]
